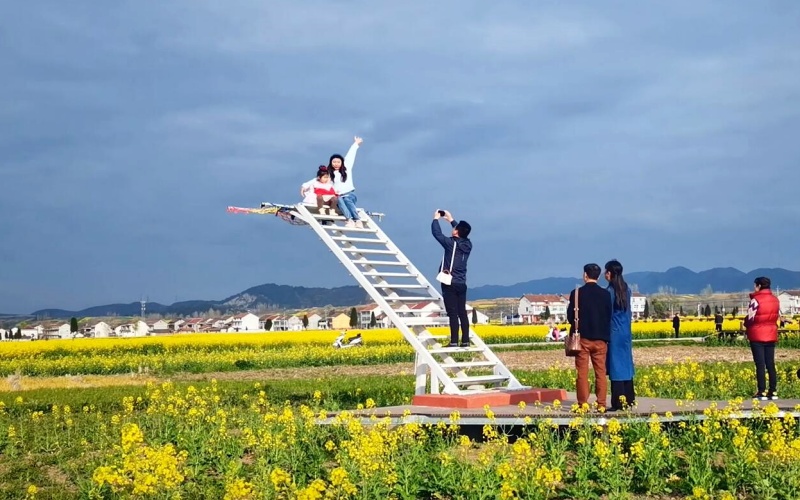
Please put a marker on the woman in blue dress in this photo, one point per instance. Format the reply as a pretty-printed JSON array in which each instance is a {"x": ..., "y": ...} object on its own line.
[{"x": 619, "y": 360}]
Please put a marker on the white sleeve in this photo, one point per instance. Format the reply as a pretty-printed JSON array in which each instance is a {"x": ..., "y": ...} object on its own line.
[
  {"x": 309, "y": 184},
  {"x": 350, "y": 157}
]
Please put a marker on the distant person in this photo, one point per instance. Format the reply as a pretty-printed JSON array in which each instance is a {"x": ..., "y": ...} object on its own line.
[
  {"x": 594, "y": 318},
  {"x": 676, "y": 325},
  {"x": 718, "y": 319},
  {"x": 761, "y": 323},
  {"x": 343, "y": 183},
  {"x": 457, "y": 248},
  {"x": 619, "y": 362}
]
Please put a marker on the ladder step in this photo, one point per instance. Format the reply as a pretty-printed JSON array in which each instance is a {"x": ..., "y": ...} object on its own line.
[
  {"x": 451, "y": 350},
  {"x": 350, "y": 229},
  {"x": 480, "y": 379},
  {"x": 358, "y": 240},
  {"x": 326, "y": 217},
  {"x": 379, "y": 263},
  {"x": 421, "y": 298},
  {"x": 469, "y": 364},
  {"x": 398, "y": 285},
  {"x": 369, "y": 250},
  {"x": 394, "y": 275},
  {"x": 425, "y": 321}
]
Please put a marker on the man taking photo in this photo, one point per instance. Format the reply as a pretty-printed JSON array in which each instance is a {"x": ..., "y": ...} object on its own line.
[{"x": 457, "y": 248}]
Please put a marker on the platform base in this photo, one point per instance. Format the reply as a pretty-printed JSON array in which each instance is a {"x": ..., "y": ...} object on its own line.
[{"x": 494, "y": 399}]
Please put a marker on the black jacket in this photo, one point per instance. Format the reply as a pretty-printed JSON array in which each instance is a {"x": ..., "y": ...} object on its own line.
[
  {"x": 463, "y": 249},
  {"x": 594, "y": 312}
]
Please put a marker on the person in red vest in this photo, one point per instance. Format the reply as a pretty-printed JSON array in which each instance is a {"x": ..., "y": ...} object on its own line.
[{"x": 761, "y": 324}]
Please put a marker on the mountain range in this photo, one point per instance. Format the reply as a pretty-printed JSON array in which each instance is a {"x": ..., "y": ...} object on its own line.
[{"x": 679, "y": 280}]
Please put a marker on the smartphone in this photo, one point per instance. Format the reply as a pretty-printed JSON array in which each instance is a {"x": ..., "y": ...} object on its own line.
[{"x": 441, "y": 213}]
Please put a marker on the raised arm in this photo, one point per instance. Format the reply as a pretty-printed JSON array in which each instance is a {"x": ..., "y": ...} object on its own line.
[
  {"x": 436, "y": 230},
  {"x": 350, "y": 157}
]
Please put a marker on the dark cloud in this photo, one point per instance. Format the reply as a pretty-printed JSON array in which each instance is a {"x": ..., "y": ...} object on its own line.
[{"x": 564, "y": 133}]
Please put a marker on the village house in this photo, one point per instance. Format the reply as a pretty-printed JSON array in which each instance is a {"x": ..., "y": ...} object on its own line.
[
  {"x": 638, "y": 302},
  {"x": 533, "y": 306},
  {"x": 790, "y": 302},
  {"x": 177, "y": 324},
  {"x": 245, "y": 322},
  {"x": 294, "y": 324},
  {"x": 137, "y": 329},
  {"x": 159, "y": 326},
  {"x": 316, "y": 322},
  {"x": 341, "y": 322}
]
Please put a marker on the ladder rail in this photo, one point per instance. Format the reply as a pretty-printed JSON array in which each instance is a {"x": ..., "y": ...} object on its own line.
[{"x": 374, "y": 281}]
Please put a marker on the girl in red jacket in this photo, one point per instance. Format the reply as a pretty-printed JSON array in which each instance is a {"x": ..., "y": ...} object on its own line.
[{"x": 762, "y": 332}]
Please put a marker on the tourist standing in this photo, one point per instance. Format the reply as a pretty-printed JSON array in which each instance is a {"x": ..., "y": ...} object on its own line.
[
  {"x": 619, "y": 362},
  {"x": 594, "y": 315},
  {"x": 761, "y": 323},
  {"x": 676, "y": 325},
  {"x": 457, "y": 248}
]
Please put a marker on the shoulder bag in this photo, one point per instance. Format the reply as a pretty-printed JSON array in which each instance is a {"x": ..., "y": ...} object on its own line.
[
  {"x": 572, "y": 345},
  {"x": 445, "y": 277}
]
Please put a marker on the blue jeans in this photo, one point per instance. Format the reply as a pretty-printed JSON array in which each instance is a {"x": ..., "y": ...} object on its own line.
[{"x": 347, "y": 205}]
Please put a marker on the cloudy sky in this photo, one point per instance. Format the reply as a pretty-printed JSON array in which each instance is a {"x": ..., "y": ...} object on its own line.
[{"x": 564, "y": 132}]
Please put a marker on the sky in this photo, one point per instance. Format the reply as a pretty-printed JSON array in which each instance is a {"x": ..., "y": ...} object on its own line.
[{"x": 565, "y": 132}]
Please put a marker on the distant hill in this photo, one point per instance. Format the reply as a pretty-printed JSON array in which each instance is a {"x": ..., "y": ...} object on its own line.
[
  {"x": 680, "y": 279},
  {"x": 269, "y": 295}
]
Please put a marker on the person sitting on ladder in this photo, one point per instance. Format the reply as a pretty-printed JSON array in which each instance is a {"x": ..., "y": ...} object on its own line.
[
  {"x": 343, "y": 183},
  {"x": 326, "y": 195},
  {"x": 456, "y": 252}
]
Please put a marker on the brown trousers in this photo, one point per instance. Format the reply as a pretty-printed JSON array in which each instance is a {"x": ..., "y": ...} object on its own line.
[
  {"x": 331, "y": 204},
  {"x": 596, "y": 351}
]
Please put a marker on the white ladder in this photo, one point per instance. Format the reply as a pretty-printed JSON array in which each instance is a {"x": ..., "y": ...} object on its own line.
[{"x": 392, "y": 281}]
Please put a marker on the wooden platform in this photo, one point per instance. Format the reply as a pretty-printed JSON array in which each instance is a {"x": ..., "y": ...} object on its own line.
[{"x": 667, "y": 410}]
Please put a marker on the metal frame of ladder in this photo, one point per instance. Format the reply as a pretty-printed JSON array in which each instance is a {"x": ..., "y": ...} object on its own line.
[{"x": 371, "y": 257}]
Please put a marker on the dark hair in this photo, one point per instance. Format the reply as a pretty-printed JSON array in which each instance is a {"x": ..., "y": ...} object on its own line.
[
  {"x": 463, "y": 229},
  {"x": 621, "y": 296},
  {"x": 592, "y": 271},
  {"x": 342, "y": 171},
  {"x": 322, "y": 170},
  {"x": 763, "y": 282}
]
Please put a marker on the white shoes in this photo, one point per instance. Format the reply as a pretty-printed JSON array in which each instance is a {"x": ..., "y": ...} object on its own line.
[
  {"x": 359, "y": 224},
  {"x": 350, "y": 223}
]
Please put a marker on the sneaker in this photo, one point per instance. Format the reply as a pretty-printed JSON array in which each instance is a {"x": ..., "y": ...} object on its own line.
[
  {"x": 760, "y": 396},
  {"x": 452, "y": 344},
  {"x": 350, "y": 223},
  {"x": 359, "y": 224},
  {"x": 772, "y": 395},
  {"x": 463, "y": 344}
]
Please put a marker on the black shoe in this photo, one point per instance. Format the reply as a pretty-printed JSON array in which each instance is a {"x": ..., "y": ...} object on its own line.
[
  {"x": 760, "y": 396},
  {"x": 772, "y": 395},
  {"x": 452, "y": 344},
  {"x": 464, "y": 344}
]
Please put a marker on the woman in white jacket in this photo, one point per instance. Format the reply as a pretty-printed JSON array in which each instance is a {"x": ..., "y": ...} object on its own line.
[{"x": 341, "y": 172}]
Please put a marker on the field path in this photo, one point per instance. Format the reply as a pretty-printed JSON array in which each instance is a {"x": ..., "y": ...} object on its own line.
[{"x": 517, "y": 360}]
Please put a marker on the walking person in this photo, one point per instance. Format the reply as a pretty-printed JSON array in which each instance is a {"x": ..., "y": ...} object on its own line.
[
  {"x": 619, "y": 362},
  {"x": 676, "y": 325},
  {"x": 343, "y": 183},
  {"x": 595, "y": 329},
  {"x": 761, "y": 324},
  {"x": 457, "y": 248}
]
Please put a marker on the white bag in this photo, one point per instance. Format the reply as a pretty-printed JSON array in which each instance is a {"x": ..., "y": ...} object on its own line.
[{"x": 444, "y": 277}]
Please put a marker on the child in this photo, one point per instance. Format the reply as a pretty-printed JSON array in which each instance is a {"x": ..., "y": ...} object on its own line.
[{"x": 323, "y": 190}]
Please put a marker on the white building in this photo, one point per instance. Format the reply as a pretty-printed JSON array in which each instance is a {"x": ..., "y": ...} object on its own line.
[
  {"x": 159, "y": 326},
  {"x": 137, "y": 329},
  {"x": 294, "y": 324},
  {"x": 532, "y": 306},
  {"x": 638, "y": 302},
  {"x": 101, "y": 330},
  {"x": 790, "y": 302},
  {"x": 245, "y": 322},
  {"x": 314, "y": 321}
]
